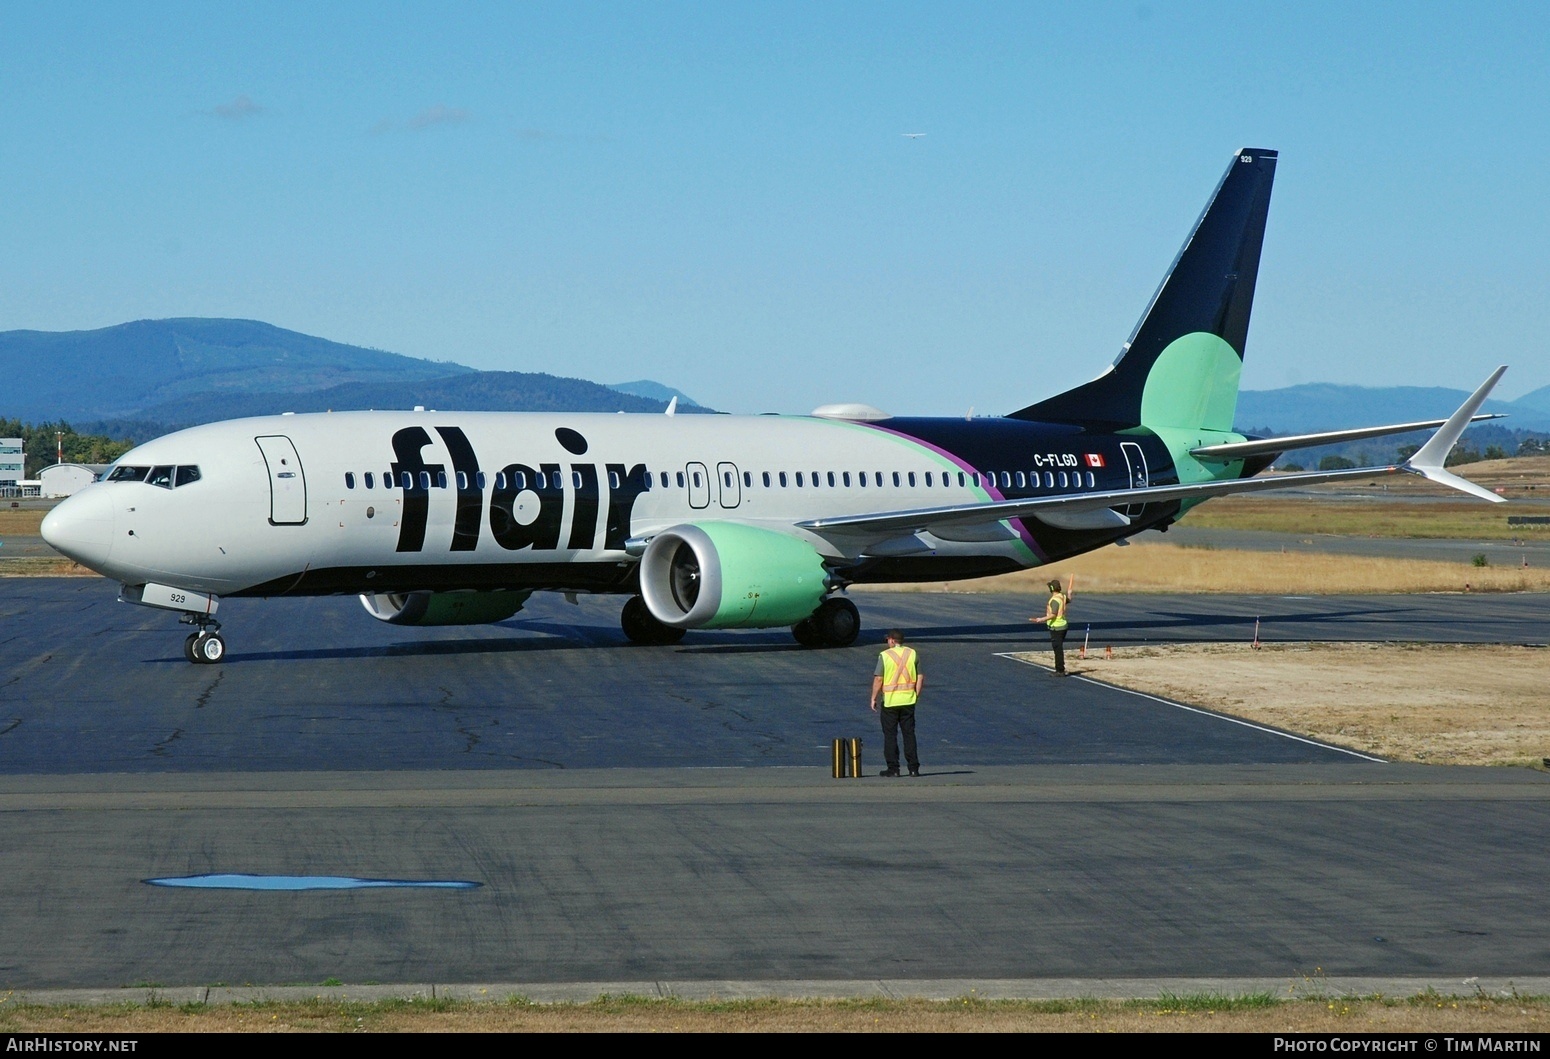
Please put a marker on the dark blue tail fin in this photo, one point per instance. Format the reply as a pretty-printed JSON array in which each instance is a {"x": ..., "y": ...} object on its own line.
[{"x": 1202, "y": 304}]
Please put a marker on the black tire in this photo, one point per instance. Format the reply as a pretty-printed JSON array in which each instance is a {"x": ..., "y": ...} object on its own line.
[
  {"x": 838, "y": 622},
  {"x": 188, "y": 648},
  {"x": 642, "y": 627},
  {"x": 210, "y": 648},
  {"x": 806, "y": 633}
]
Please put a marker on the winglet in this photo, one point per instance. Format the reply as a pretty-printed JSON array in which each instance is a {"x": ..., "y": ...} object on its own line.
[
  {"x": 1428, "y": 460},
  {"x": 672, "y": 406}
]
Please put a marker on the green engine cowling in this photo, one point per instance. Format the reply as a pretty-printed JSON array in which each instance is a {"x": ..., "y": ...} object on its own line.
[
  {"x": 443, "y": 608},
  {"x": 726, "y": 575}
]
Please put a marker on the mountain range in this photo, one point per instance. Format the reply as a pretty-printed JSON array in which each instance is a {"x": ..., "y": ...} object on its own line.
[
  {"x": 1326, "y": 406},
  {"x": 155, "y": 375},
  {"x": 149, "y": 376}
]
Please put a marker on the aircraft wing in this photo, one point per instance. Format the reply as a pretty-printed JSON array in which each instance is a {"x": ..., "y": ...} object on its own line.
[
  {"x": 1066, "y": 510},
  {"x": 1052, "y": 508},
  {"x": 1237, "y": 450}
]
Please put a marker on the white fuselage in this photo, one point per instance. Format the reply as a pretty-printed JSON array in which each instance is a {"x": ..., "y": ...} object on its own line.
[{"x": 285, "y": 496}]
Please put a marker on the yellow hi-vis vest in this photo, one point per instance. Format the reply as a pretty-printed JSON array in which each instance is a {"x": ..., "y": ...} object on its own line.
[
  {"x": 1057, "y": 610},
  {"x": 899, "y": 675}
]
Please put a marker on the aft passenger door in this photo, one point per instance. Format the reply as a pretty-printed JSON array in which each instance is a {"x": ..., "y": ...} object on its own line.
[
  {"x": 287, "y": 483},
  {"x": 731, "y": 490},
  {"x": 1135, "y": 460}
]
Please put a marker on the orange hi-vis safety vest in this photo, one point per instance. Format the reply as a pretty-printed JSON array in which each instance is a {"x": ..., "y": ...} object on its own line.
[{"x": 899, "y": 676}]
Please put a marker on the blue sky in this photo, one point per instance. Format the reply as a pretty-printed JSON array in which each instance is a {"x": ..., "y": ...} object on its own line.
[{"x": 719, "y": 197}]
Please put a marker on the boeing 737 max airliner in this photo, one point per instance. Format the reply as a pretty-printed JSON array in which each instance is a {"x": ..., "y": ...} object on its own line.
[{"x": 707, "y": 522}]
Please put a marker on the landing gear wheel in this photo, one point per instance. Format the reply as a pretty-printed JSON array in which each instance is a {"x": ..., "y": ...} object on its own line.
[
  {"x": 806, "y": 633},
  {"x": 188, "y": 648},
  {"x": 642, "y": 627},
  {"x": 836, "y": 623},
  {"x": 209, "y": 648}
]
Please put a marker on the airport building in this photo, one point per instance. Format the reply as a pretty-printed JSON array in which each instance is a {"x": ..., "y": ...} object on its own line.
[
  {"x": 63, "y": 479},
  {"x": 13, "y": 466}
]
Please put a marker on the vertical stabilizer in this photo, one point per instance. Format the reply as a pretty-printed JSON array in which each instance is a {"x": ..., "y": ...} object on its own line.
[{"x": 1181, "y": 366}]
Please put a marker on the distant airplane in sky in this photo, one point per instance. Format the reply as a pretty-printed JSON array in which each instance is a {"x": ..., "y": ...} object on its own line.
[
  {"x": 712, "y": 522},
  {"x": 912, "y": 135}
]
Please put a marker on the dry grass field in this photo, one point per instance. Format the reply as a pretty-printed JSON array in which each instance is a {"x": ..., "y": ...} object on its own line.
[
  {"x": 21, "y": 522},
  {"x": 1442, "y": 704},
  {"x": 1258, "y": 1013},
  {"x": 1173, "y": 568},
  {"x": 1396, "y": 506},
  {"x": 1377, "y": 515}
]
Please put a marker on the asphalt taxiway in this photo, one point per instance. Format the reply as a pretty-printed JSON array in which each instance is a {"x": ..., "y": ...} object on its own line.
[
  {"x": 88, "y": 684},
  {"x": 665, "y": 815}
]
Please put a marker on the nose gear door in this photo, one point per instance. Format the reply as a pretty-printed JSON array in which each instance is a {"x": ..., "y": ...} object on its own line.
[{"x": 287, "y": 483}]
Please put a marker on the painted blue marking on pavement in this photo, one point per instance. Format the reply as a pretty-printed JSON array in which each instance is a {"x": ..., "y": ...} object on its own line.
[{"x": 306, "y": 882}]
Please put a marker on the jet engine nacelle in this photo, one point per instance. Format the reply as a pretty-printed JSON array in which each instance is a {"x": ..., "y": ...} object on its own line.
[
  {"x": 443, "y": 608},
  {"x": 725, "y": 575}
]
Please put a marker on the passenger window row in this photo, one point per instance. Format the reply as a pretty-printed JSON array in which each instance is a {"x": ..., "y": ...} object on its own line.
[
  {"x": 692, "y": 479},
  {"x": 899, "y": 479},
  {"x": 440, "y": 480}
]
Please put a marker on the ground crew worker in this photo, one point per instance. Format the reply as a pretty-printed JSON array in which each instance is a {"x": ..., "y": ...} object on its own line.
[
  {"x": 1054, "y": 619},
  {"x": 899, "y": 679}
]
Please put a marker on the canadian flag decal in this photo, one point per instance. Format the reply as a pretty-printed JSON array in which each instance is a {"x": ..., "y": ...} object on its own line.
[{"x": 1094, "y": 459}]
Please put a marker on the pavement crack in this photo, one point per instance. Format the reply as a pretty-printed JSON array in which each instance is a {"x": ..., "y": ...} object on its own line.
[
  {"x": 160, "y": 749},
  {"x": 472, "y": 739},
  {"x": 539, "y": 760},
  {"x": 27, "y": 671},
  {"x": 204, "y": 696}
]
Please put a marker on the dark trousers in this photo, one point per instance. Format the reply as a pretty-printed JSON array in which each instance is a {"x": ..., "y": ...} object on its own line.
[
  {"x": 896, "y": 718},
  {"x": 1057, "y": 641}
]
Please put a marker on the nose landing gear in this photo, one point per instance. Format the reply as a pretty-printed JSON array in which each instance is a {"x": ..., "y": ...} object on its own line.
[{"x": 204, "y": 646}]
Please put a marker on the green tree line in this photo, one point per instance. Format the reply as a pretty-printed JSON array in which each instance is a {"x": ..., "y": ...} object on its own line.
[{"x": 42, "y": 444}]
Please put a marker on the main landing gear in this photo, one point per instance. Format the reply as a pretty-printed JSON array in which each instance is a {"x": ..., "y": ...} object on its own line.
[
  {"x": 836, "y": 623},
  {"x": 643, "y": 628},
  {"x": 204, "y": 646}
]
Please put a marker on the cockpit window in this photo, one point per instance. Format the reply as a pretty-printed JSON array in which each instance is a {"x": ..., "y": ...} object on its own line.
[{"x": 166, "y": 477}]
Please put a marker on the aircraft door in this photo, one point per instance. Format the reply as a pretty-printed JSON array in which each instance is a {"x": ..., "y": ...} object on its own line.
[
  {"x": 1135, "y": 459},
  {"x": 699, "y": 485},
  {"x": 726, "y": 481},
  {"x": 287, "y": 483}
]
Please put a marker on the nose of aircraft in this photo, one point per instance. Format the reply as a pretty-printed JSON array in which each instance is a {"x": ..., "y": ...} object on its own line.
[{"x": 82, "y": 527}]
